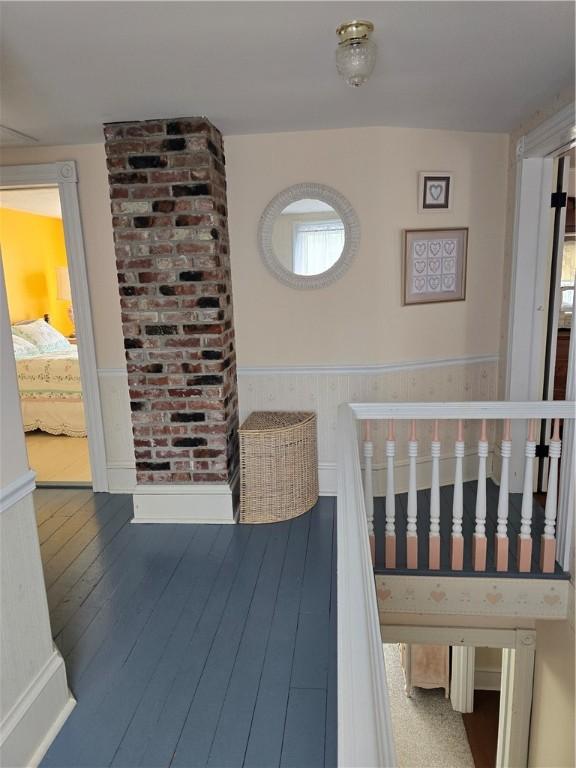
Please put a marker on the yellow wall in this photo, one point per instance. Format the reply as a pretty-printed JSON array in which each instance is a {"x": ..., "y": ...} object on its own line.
[{"x": 32, "y": 247}]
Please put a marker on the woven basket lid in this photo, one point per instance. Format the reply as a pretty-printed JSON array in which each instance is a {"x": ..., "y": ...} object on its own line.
[{"x": 261, "y": 421}]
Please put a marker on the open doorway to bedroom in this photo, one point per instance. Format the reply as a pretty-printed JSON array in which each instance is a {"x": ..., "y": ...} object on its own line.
[{"x": 45, "y": 344}]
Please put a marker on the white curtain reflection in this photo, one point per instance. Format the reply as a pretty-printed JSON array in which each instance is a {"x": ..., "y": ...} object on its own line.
[{"x": 317, "y": 246}]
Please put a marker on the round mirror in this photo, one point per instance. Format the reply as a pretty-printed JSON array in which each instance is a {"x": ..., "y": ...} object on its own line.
[{"x": 308, "y": 235}]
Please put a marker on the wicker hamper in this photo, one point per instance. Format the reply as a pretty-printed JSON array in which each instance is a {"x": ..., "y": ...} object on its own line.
[{"x": 278, "y": 466}]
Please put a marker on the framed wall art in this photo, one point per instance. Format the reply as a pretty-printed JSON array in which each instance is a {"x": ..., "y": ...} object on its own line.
[
  {"x": 435, "y": 191},
  {"x": 434, "y": 265}
]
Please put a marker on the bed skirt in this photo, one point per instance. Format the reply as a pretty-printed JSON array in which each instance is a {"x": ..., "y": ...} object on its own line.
[{"x": 57, "y": 417}]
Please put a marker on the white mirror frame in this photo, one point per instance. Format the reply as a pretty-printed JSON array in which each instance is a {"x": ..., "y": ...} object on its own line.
[{"x": 314, "y": 192}]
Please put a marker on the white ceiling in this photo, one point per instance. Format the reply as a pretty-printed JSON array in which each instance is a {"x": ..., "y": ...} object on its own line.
[
  {"x": 252, "y": 67},
  {"x": 42, "y": 201}
]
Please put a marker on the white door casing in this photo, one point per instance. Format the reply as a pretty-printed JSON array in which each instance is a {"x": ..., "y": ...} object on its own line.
[{"x": 64, "y": 176}]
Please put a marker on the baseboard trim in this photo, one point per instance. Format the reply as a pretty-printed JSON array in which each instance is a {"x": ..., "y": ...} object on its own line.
[
  {"x": 33, "y": 722},
  {"x": 209, "y": 503},
  {"x": 121, "y": 477},
  {"x": 487, "y": 679}
]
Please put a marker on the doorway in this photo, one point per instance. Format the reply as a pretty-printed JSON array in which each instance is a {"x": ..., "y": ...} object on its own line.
[
  {"x": 454, "y": 667},
  {"x": 44, "y": 264},
  {"x": 44, "y": 339}
]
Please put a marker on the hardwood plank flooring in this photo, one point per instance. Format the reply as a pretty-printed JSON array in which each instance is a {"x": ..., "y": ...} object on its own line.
[
  {"x": 191, "y": 645},
  {"x": 58, "y": 458},
  {"x": 468, "y": 523},
  {"x": 482, "y": 728}
]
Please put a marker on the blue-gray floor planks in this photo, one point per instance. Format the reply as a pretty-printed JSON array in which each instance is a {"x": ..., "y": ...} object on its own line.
[
  {"x": 468, "y": 523},
  {"x": 191, "y": 645}
]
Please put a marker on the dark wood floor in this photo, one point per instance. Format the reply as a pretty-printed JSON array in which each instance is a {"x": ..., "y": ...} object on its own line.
[
  {"x": 446, "y": 497},
  {"x": 482, "y": 728},
  {"x": 191, "y": 645}
]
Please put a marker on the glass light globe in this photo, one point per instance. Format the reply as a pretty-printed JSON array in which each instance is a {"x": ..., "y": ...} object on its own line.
[{"x": 355, "y": 60}]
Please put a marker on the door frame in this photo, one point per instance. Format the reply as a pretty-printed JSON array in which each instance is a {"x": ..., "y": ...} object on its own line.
[
  {"x": 536, "y": 152},
  {"x": 64, "y": 176},
  {"x": 517, "y": 678}
]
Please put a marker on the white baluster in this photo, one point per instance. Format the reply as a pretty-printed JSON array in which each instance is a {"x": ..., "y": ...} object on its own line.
[
  {"x": 457, "y": 542},
  {"x": 548, "y": 540},
  {"x": 411, "y": 527},
  {"x": 479, "y": 548},
  {"x": 525, "y": 536},
  {"x": 390, "y": 546},
  {"x": 501, "y": 543},
  {"x": 434, "y": 540},
  {"x": 368, "y": 491}
]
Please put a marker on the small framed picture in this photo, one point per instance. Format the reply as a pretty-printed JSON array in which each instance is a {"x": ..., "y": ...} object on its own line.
[
  {"x": 435, "y": 191},
  {"x": 434, "y": 267}
]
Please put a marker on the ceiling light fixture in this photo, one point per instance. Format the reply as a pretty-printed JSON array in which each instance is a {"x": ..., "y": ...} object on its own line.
[{"x": 356, "y": 52}]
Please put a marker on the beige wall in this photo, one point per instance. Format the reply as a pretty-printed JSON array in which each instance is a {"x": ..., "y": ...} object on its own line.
[
  {"x": 359, "y": 319},
  {"x": 553, "y": 715}
]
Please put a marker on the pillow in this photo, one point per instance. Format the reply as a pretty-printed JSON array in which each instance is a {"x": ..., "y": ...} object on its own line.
[
  {"x": 42, "y": 335},
  {"x": 23, "y": 348}
]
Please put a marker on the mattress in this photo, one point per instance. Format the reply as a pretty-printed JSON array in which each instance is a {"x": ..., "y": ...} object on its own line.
[{"x": 51, "y": 393}]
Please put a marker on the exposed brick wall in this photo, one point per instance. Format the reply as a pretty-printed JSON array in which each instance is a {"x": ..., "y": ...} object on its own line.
[{"x": 168, "y": 200}]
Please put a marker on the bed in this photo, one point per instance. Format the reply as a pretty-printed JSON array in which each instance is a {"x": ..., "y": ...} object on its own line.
[{"x": 49, "y": 382}]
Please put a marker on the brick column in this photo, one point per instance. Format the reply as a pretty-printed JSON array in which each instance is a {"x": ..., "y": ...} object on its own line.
[{"x": 168, "y": 199}]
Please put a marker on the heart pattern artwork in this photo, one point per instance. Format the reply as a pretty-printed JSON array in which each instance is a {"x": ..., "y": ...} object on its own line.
[
  {"x": 435, "y": 191},
  {"x": 434, "y": 266}
]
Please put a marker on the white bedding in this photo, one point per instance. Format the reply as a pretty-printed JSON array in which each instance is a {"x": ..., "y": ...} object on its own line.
[{"x": 51, "y": 393}]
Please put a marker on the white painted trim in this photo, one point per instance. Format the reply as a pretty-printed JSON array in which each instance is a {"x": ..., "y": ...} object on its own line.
[
  {"x": 365, "y": 737},
  {"x": 516, "y": 701},
  {"x": 474, "y": 637},
  {"x": 16, "y": 490},
  {"x": 33, "y": 722},
  {"x": 358, "y": 369},
  {"x": 462, "y": 680},
  {"x": 567, "y": 482},
  {"x": 64, "y": 175},
  {"x": 486, "y": 409},
  {"x": 551, "y": 137},
  {"x": 203, "y": 503}
]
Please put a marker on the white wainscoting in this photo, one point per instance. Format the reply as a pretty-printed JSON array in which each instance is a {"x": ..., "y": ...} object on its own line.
[
  {"x": 323, "y": 388},
  {"x": 35, "y": 698},
  {"x": 120, "y": 463}
]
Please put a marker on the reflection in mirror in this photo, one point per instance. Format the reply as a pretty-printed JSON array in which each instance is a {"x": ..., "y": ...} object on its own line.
[{"x": 308, "y": 237}]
